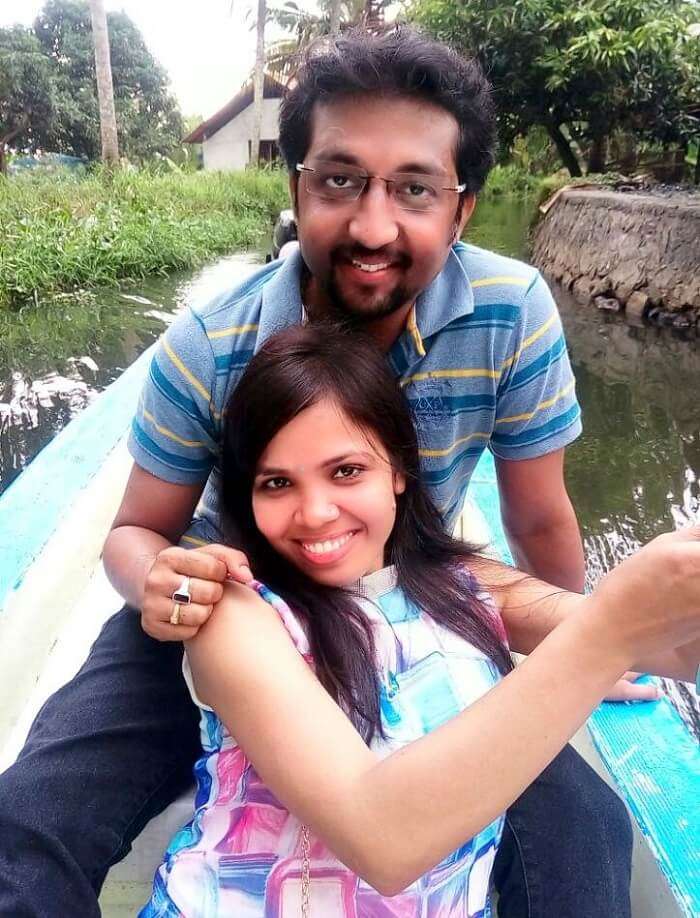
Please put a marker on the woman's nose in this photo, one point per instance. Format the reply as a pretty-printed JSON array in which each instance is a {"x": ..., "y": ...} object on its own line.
[{"x": 316, "y": 512}]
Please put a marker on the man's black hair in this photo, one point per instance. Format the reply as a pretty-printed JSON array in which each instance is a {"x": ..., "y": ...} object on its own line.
[{"x": 399, "y": 62}]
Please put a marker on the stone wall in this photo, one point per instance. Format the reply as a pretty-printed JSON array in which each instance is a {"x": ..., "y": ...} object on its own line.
[{"x": 637, "y": 252}]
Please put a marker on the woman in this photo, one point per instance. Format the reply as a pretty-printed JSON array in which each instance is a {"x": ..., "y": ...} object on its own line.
[{"x": 364, "y": 734}]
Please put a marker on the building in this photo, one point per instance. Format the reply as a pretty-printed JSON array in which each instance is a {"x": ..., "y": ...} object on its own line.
[{"x": 226, "y": 136}]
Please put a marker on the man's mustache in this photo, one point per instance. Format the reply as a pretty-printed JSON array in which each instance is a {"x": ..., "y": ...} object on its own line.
[{"x": 391, "y": 256}]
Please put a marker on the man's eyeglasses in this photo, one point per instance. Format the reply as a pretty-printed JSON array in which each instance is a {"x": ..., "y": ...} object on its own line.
[{"x": 340, "y": 183}]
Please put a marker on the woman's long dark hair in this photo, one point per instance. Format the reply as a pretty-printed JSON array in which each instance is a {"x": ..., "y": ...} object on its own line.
[{"x": 292, "y": 371}]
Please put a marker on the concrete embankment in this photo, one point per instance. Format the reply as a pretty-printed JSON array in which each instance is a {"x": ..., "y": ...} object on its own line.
[{"x": 632, "y": 252}]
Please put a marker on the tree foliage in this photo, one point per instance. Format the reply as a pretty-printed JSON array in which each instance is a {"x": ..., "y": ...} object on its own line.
[
  {"x": 580, "y": 70},
  {"x": 306, "y": 26},
  {"x": 27, "y": 96},
  {"x": 148, "y": 117}
]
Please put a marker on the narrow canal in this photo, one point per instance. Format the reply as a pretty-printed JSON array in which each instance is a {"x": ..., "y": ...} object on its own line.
[{"x": 632, "y": 475}]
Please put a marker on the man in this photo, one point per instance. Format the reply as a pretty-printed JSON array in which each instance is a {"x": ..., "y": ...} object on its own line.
[{"x": 387, "y": 140}]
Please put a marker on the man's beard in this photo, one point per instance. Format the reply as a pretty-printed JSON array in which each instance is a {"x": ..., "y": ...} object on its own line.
[{"x": 340, "y": 308}]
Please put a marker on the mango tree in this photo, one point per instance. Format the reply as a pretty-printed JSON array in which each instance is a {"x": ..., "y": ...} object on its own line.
[
  {"x": 27, "y": 101},
  {"x": 580, "y": 70}
]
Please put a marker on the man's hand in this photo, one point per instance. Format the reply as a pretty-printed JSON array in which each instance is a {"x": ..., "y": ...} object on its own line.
[
  {"x": 628, "y": 689},
  {"x": 207, "y": 567}
]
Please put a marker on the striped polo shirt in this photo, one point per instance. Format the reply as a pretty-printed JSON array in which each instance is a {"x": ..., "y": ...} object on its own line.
[{"x": 482, "y": 360}]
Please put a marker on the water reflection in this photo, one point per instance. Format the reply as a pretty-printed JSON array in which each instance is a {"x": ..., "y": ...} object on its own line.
[
  {"x": 43, "y": 386},
  {"x": 634, "y": 473},
  {"x": 501, "y": 224}
]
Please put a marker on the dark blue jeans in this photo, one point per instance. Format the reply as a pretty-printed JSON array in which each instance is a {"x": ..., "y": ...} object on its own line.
[{"x": 115, "y": 745}]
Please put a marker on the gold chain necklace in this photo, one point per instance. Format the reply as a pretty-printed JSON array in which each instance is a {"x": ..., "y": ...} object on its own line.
[{"x": 305, "y": 873}]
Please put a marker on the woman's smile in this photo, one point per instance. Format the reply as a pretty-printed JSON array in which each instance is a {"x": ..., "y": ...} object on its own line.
[{"x": 328, "y": 550}]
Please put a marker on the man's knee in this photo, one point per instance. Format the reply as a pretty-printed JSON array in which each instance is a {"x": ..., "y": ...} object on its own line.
[{"x": 583, "y": 800}]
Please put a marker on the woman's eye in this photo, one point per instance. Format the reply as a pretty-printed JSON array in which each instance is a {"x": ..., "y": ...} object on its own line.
[
  {"x": 347, "y": 471},
  {"x": 275, "y": 484}
]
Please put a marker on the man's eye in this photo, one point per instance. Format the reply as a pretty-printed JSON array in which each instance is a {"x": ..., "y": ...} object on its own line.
[
  {"x": 339, "y": 180},
  {"x": 415, "y": 190}
]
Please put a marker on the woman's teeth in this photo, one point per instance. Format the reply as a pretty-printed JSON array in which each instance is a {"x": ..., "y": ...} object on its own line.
[
  {"x": 370, "y": 268},
  {"x": 320, "y": 548}
]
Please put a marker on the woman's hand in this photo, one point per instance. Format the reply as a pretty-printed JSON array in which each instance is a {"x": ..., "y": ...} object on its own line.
[
  {"x": 651, "y": 602},
  {"x": 207, "y": 567}
]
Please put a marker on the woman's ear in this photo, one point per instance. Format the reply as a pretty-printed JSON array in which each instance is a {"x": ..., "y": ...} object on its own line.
[{"x": 399, "y": 483}]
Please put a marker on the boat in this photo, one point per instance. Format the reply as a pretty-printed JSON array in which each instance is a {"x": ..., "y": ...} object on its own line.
[{"x": 54, "y": 598}]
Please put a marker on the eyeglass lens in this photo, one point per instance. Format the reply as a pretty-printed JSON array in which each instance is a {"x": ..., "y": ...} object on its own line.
[{"x": 340, "y": 182}]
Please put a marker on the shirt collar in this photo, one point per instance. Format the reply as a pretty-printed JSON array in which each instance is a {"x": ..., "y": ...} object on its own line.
[
  {"x": 448, "y": 297},
  {"x": 281, "y": 299}
]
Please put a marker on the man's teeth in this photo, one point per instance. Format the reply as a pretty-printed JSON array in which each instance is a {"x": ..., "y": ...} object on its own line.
[
  {"x": 370, "y": 268},
  {"x": 320, "y": 548}
]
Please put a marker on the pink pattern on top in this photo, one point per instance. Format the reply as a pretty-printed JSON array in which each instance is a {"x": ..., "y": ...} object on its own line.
[{"x": 241, "y": 853}]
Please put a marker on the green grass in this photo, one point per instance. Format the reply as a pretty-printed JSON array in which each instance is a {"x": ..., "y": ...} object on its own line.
[
  {"x": 512, "y": 180},
  {"x": 61, "y": 233}
]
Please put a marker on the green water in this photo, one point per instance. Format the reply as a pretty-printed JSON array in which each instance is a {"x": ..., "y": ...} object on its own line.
[
  {"x": 501, "y": 224},
  {"x": 55, "y": 360}
]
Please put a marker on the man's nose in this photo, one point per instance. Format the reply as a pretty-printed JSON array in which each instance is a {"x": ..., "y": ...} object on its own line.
[{"x": 373, "y": 224}]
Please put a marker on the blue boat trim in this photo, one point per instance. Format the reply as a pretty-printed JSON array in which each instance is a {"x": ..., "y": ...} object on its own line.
[
  {"x": 647, "y": 748},
  {"x": 37, "y": 501}
]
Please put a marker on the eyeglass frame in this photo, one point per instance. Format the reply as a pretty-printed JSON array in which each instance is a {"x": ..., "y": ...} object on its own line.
[{"x": 458, "y": 189}]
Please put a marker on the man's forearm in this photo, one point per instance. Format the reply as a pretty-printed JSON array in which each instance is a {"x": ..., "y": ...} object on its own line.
[
  {"x": 128, "y": 556},
  {"x": 553, "y": 553}
]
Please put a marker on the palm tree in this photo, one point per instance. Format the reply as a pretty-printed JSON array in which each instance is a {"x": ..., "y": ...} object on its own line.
[
  {"x": 334, "y": 17},
  {"x": 306, "y": 27},
  {"x": 105, "y": 91},
  {"x": 258, "y": 82}
]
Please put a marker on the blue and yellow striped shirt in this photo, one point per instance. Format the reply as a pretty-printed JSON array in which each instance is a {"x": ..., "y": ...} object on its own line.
[{"x": 482, "y": 360}]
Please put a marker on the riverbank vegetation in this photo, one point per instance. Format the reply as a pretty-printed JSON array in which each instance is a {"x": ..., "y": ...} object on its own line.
[
  {"x": 61, "y": 233},
  {"x": 583, "y": 73},
  {"x": 48, "y": 91}
]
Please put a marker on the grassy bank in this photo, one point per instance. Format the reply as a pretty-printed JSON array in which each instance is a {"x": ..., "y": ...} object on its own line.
[
  {"x": 60, "y": 233},
  {"x": 514, "y": 181}
]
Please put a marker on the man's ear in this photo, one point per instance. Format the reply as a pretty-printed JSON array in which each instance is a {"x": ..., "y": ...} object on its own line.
[
  {"x": 466, "y": 209},
  {"x": 294, "y": 190}
]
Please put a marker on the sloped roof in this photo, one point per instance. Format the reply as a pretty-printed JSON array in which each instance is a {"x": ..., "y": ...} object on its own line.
[{"x": 272, "y": 89}]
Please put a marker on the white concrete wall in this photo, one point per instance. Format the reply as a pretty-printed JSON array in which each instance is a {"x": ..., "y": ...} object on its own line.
[{"x": 228, "y": 148}]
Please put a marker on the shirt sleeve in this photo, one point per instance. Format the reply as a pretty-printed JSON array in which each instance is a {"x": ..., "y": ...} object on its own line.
[
  {"x": 537, "y": 411},
  {"x": 175, "y": 432}
]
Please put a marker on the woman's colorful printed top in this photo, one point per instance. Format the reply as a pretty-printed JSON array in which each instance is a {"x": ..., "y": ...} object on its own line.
[{"x": 241, "y": 854}]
